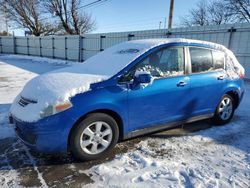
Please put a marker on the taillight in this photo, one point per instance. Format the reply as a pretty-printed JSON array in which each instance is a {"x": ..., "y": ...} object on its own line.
[{"x": 242, "y": 75}]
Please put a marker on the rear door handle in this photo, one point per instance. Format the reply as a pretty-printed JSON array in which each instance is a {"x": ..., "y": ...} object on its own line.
[
  {"x": 181, "y": 84},
  {"x": 221, "y": 77}
]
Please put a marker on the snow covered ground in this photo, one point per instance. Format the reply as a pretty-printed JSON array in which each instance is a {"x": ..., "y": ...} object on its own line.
[{"x": 214, "y": 157}]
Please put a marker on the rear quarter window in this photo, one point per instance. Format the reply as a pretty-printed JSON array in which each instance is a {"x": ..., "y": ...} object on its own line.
[
  {"x": 203, "y": 60},
  {"x": 218, "y": 60}
]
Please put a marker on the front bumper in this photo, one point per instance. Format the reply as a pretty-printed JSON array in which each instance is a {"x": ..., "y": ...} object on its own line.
[{"x": 48, "y": 135}]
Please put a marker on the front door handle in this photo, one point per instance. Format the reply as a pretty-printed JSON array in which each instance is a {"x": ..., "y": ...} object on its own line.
[
  {"x": 181, "y": 84},
  {"x": 221, "y": 77}
]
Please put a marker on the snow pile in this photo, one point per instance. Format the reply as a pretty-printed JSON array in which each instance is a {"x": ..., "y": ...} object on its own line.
[
  {"x": 36, "y": 59},
  {"x": 218, "y": 157},
  {"x": 9, "y": 178}
]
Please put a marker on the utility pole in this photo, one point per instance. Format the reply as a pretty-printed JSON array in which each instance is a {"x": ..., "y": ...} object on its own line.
[{"x": 171, "y": 12}]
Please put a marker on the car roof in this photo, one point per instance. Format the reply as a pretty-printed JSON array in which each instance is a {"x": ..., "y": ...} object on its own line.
[
  {"x": 161, "y": 41},
  {"x": 113, "y": 59}
]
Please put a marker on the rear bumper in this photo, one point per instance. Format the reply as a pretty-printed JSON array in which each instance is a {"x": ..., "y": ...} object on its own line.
[
  {"x": 49, "y": 135},
  {"x": 241, "y": 93}
]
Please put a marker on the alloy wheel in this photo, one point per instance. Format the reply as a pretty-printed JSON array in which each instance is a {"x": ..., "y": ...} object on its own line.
[
  {"x": 96, "y": 137},
  {"x": 225, "y": 108}
]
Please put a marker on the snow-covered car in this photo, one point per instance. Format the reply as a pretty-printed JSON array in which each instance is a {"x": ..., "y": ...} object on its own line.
[{"x": 132, "y": 88}]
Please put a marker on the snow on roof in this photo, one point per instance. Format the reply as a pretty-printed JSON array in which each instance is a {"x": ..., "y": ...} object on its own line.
[{"x": 112, "y": 60}]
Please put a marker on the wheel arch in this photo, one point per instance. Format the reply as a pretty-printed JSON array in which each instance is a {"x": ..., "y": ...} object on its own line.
[
  {"x": 109, "y": 112},
  {"x": 234, "y": 94}
]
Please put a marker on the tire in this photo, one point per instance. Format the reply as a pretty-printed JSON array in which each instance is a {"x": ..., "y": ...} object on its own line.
[
  {"x": 94, "y": 137},
  {"x": 225, "y": 110}
]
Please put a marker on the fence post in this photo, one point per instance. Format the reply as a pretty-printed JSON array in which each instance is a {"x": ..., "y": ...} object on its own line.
[
  {"x": 53, "y": 47},
  {"x": 101, "y": 42},
  {"x": 231, "y": 30},
  {"x": 80, "y": 49},
  {"x": 40, "y": 47},
  {"x": 65, "y": 51},
  {"x": 130, "y": 36},
  {"x": 14, "y": 44},
  {"x": 28, "y": 47},
  {"x": 1, "y": 44},
  {"x": 168, "y": 33}
]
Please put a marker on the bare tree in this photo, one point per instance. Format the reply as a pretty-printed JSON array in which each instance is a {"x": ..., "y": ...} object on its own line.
[
  {"x": 239, "y": 8},
  {"x": 27, "y": 14},
  {"x": 197, "y": 16},
  {"x": 216, "y": 12},
  {"x": 71, "y": 18}
]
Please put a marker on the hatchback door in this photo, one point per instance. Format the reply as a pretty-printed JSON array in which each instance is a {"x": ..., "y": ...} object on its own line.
[
  {"x": 167, "y": 98},
  {"x": 207, "y": 79}
]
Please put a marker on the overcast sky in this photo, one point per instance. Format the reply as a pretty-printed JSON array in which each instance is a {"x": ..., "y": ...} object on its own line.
[{"x": 128, "y": 15}]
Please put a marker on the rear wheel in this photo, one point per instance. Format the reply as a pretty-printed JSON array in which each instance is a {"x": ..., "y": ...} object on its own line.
[
  {"x": 225, "y": 110},
  {"x": 94, "y": 137}
]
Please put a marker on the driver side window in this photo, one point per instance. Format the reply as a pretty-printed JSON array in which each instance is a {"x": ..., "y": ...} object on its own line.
[{"x": 164, "y": 63}]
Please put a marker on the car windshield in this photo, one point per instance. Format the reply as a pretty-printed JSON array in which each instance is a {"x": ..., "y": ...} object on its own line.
[{"x": 114, "y": 59}]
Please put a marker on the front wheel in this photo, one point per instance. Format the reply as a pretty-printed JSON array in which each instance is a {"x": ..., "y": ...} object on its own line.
[
  {"x": 224, "y": 111},
  {"x": 94, "y": 137}
]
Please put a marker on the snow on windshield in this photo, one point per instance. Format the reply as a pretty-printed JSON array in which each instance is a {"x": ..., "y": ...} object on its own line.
[{"x": 112, "y": 60}]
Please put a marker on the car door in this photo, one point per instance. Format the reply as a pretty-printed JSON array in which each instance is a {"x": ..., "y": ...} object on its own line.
[
  {"x": 207, "y": 79},
  {"x": 167, "y": 98}
]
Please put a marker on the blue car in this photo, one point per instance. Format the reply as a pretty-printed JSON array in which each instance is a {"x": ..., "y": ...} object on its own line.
[{"x": 133, "y": 88}]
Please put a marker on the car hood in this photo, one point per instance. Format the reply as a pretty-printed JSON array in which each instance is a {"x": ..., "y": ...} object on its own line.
[
  {"x": 59, "y": 86},
  {"x": 50, "y": 89}
]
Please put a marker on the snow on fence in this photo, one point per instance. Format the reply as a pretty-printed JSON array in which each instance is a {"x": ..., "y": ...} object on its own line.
[{"x": 79, "y": 48}]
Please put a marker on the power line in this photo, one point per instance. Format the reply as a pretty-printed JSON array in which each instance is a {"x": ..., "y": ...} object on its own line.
[
  {"x": 92, "y": 3},
  {"x": 156, "y": 19},
  {"x": 154, "y": 23},
  {"x": 83, "y": 6},
  {"x": 89, "y": 5},
  {"x": 124, "y": 25}
]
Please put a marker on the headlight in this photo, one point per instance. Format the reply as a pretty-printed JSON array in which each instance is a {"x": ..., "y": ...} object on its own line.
[{"x": 51, "y": 110}]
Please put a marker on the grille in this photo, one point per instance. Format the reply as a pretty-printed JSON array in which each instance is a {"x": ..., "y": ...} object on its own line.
[{"x": 24, "y": 102}]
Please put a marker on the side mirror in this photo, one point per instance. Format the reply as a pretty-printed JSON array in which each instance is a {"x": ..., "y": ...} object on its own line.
[{"x": 142, "y": 77}]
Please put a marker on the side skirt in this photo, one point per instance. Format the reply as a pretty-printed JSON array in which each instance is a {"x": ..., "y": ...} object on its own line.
[{"x": 157, "y": 128}]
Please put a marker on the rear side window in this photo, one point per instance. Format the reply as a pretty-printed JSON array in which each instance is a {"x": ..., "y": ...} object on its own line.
[
  {"x": 201, "y": 60},
  {"x": 218, "y": 60}
]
